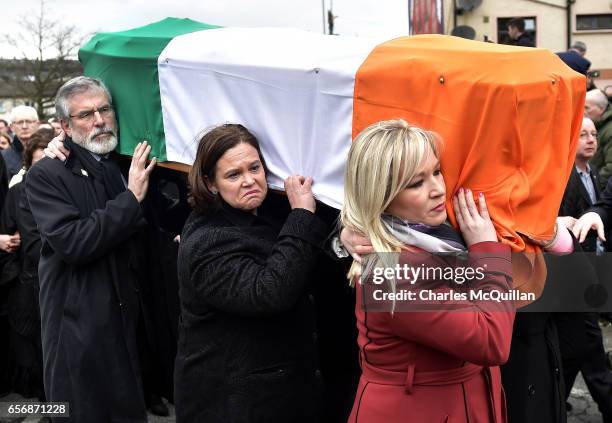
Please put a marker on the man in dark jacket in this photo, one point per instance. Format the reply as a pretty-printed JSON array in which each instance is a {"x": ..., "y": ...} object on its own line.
[
  {"x": 24, "y": 122},
  {"x": 580, "y": 336},
  {"x": 574, "y": 57},
  {"x": 88, "y": 267},
  {"x": 516, "y": 32}
]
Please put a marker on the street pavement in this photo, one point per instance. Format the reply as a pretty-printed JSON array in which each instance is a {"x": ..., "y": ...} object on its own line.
[{"x": 584, "y": 409}]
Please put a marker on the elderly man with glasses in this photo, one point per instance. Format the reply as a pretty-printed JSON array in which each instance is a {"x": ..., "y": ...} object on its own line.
[
  {"x": 90, "y": 216},
  {"x": 24, "y": 122}
]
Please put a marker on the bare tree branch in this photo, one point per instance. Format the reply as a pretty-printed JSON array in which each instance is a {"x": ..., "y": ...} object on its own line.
[{"x": 48, "y": 48}]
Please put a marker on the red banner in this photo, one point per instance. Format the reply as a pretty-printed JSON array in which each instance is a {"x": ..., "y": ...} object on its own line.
[{"x": 426, "y": 16}]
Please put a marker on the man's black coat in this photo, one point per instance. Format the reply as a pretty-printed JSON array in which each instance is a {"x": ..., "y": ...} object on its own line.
[
  {"x": 576, "y": 200},
  {"x": 580, "y": 337},
  {"x": 532, "y": 377},
  {"x": 574, "y": 60},
  {"x": 88, "y": 292},
  {"x": 524, "y": 40},
  {"x": 603, "y": 207},
  {"x": 13, "y": 157}
]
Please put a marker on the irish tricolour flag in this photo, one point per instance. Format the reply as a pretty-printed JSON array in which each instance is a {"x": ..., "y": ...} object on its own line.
[{"x": 509, "y": 116}]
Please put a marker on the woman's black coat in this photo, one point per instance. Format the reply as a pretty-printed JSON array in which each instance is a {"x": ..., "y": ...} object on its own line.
[{"x": 246, "y": 349}]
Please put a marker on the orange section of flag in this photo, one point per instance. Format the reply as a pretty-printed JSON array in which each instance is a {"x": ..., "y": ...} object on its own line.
[{"x": 509, "y": 117}]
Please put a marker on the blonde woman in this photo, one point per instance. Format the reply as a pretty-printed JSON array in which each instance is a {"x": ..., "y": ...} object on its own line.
[{"x": 424, "y": 366}]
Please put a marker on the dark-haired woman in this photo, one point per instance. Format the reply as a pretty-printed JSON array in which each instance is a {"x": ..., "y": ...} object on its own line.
[
  {"x": 5, "y": 140},
  {"x": 20, "y": 269},
  {"x": 246, "y": 351}
]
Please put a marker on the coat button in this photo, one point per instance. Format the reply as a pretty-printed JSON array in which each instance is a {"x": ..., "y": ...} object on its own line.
[
  {"x": 315, "y": 336},
  {"x": 311, "y": 298},
  {"x": 318, "y": 374},
  {"x": 531, "y": 390}
]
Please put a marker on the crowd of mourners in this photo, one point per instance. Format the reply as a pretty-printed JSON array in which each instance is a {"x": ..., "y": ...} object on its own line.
[{"x": 123, "y": 283}]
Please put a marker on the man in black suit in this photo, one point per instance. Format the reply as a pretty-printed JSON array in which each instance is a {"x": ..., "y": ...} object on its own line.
[
  {"x": 574, "y": 57},
  {"x": 580, "y": 336}
]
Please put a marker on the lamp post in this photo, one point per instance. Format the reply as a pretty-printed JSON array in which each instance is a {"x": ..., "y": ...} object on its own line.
[{"x": 323, "y": 14}]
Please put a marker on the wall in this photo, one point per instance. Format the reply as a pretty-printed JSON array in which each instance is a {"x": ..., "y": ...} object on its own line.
[{"x": 551, "y": 20}]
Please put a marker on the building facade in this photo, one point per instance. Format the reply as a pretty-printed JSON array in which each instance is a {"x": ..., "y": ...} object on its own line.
[{"x": 554, "y": 24}]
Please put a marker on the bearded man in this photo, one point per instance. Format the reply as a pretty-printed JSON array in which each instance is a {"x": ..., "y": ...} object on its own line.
[{"x": 88, "y": 216}]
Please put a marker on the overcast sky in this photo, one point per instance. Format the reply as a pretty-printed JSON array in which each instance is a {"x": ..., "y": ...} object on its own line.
[{"x": 354, "y": 17}]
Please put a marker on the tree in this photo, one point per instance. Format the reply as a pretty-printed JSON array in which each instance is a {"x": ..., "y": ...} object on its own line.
[{"x": 48, "y": 49}]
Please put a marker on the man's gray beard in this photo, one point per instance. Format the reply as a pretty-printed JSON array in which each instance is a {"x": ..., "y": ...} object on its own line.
[{"x": 97, "y": 147}]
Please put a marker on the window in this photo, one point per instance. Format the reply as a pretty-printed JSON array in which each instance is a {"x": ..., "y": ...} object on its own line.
[
  {"x": 502, "y": 28},
  {"x": 597, "y": 22}
]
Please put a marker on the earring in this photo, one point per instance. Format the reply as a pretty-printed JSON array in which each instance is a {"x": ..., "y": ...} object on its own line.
[{"x": 214, "y": 192}]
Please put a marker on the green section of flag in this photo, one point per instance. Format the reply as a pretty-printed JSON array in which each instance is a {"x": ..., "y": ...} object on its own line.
[{"x": 127, "y": 63}]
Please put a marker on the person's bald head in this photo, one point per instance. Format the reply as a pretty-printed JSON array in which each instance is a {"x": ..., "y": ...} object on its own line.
[
  {"x": 595, "y": 104},
  {"x": 580, "y": 47}
]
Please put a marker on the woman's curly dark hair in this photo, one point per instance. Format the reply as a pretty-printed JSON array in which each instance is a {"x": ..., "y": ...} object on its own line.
[{"x": 38, "y": 141}]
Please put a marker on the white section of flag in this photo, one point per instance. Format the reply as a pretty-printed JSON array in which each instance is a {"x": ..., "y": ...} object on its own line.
[{"x": 293, "y": 89}]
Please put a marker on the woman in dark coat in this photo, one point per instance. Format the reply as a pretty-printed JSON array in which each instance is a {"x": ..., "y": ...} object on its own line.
[
  {"x": 246, "y": 351},
  {"x": 21, "y": 267}
]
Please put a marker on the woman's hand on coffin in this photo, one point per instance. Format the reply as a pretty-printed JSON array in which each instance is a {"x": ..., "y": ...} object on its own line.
[
  {"x": 474, "y": 222},
  {"x": 299, "y": 193},
  {"x": 10, "y": 243},
  {"x": 355, "y": 243},
  {"x": 585, "y": 223}
]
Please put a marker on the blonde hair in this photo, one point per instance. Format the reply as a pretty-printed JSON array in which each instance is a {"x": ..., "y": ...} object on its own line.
[{"x": 382, "y": 160}]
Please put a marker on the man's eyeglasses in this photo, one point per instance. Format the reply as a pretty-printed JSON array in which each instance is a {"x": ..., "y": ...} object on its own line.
[
  {"x": 25, "y": 122},
  {"x": 88, "y": 115}
]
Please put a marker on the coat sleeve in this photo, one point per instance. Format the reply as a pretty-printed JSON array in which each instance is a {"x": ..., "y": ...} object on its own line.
[
  {"x": 606, "y": 167},
  {"x": 569, "y": 201},
  {"x": 229, "y": 278},
  {"x": 3, "y": 180},
  {"x": 8, "y": 220},
  {"x": 479, "y": 336},
  {"x": 75, "y": 239},
  {"x": 604, "y": 206},
  {"x": 30, "y": 238}
]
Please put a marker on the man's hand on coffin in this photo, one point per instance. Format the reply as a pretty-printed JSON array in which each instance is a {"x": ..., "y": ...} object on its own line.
[
  {"x": 356, "y": 244},
  {"x": 56, "y": 148},
  {"x": 10, "y": 243},
  {"x": 299, "y": 193},
  {"x": 138, "y": 179},
  {"x": 588, "y": 221},
  {"x": 474, "y": 222}
]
